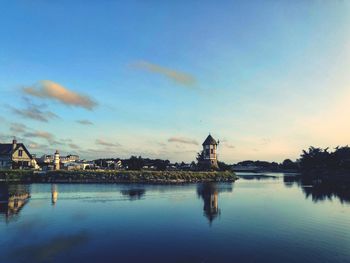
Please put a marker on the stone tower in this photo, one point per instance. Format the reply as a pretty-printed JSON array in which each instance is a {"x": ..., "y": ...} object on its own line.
[
  {"x": 56, "y": 161},
  {"x": 210, "y": 160}
]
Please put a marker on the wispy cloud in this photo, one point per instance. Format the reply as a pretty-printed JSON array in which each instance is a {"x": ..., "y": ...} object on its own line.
[
  {"x": 104, "y": 143},
  {"x": 174, "y": 75},
  {"x": 47, "y": 89},
  {"x": 5, "y": 137},
  {"x": 18, "y": 128},
  {"x": 183, "y": 140},
  {"x": 74, "y": 146},
  {"x": 225, "y": 143},
  {"x": 36, "y": 146},
  {"x": 230, "y": 146},
  {"x": 34, "y": 112},
  {"x": 41, "y": 134},
  {"x": 85, "y": 122}
]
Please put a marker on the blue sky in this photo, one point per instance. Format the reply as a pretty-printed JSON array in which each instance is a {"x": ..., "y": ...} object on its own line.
[{"x": 267, "y": 78}]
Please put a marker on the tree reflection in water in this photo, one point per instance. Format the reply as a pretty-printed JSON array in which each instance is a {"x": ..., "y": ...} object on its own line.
[
  {"x": 134, "y": 193},
  {"x": 320, "y": 191},
  {"x": 209, "y": 192},
  {"x": 13, "y": 197}
]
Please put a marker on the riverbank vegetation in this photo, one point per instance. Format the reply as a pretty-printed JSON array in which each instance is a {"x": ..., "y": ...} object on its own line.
[
  {"x": 323, "y": 164},
  {"x": 114, "y": 176}
]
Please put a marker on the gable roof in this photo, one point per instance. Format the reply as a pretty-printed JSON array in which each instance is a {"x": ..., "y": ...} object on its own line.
[
  {"x": 25, "y": 149},
  {"x": 210, "y": 141},
  {"x": 6, "y": 149}
]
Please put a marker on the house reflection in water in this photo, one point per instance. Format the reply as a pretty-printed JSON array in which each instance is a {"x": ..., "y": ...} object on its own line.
[
  {"x": 12, "y": 199},
  {"x": 209, "y": 192},
  {"x": 54, "y": 193}
]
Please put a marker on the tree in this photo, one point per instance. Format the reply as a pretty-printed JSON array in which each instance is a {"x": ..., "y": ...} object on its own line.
[
  {"x": 224, "y": 167},
  {"x": 200, "y": 157},
  {"x": 289, "y": 165},
  {"x": 200, "y": 161},
  {"x": 135, "y": 163},
  {"x": 161, "y": 165},
  {"x": 314, "y": 158}
]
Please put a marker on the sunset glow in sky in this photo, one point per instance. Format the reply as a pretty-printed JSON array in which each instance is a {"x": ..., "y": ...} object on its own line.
[{"x": 153, "y": 78}]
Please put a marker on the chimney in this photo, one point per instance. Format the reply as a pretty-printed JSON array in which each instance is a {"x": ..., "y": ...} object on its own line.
[{"x": 14, "y": 144}]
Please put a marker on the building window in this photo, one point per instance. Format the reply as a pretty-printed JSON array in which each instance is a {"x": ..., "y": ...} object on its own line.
[
  {"x": 207, "y": 152},
  {"x": 20, "y": 153},
  {"x": 212, "y": 151}
]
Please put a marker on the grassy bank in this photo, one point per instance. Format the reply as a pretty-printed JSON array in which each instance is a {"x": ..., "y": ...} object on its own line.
[{"x": 113, "y": 176}]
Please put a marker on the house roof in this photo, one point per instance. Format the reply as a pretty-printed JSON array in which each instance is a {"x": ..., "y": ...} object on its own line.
[
  {"x": 6, "y": 149},
  {"x": 210, "y": 141}
]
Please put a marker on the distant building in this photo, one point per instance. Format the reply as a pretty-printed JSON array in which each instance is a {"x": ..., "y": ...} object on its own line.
[
  {"x": 210, "y": 160},
  {"x": 15, "y": 156},
  {"x": 69, "y": 158},
  {"x": 48, "y": 161},
  {"x": 48, "y": 158}
]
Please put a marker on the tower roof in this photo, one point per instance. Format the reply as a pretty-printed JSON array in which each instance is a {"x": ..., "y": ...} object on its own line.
[{"x": 210, "y": 141}]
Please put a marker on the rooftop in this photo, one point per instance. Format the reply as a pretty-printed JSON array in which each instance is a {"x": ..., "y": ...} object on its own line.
[{"x": 210, "y": 141}]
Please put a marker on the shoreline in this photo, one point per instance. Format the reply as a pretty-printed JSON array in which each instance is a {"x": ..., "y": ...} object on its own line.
[{"x": 115, "y": 177}]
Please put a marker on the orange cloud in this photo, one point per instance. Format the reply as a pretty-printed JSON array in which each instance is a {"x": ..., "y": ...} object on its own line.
[
  {"x": 47, "y": 89},
  {"x": 178, "y": 77}
]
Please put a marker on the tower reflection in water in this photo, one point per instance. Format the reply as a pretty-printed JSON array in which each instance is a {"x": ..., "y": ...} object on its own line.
[
  {"x": 209, "y": 192},
  {"x": 13, "y": 197},
  {"x": 54, "y": 194}
]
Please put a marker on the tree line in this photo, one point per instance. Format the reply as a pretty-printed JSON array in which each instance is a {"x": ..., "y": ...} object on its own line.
[{"x": 318, "y": 162}]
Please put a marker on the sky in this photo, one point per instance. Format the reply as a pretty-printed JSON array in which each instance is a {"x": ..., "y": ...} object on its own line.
[{"x": 154, "y": 78}]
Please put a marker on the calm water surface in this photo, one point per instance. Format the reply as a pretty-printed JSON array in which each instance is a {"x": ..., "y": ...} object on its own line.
[{"x": 251, "y": 220}]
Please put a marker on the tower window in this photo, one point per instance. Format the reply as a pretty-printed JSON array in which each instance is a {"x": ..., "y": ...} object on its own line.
[{"x": 212, "y": 151}]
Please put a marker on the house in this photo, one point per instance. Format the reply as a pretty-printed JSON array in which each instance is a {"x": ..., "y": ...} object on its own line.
[
  {"x": 69, "y": 158},
  {"x": 15, "y": 156},
  {"x": 46, "y": 158}
]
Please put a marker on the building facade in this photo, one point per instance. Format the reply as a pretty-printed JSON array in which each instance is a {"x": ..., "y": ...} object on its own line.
[
  {"x": 210, "y": 160},
  {"x": 15, "y": 156}
]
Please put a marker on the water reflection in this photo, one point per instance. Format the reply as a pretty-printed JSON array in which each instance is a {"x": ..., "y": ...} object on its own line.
[
  {"x": 134, "y": 193},
  {"x": 209, "y": 192},
  {"x": 255, "y": 176},
  {"x": 320, "y": 191},
  {"x": 54, "y": 194},
  {"x": 12, "y": 199}
]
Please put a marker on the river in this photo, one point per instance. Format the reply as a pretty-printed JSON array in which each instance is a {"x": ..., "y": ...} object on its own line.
[{"x": 255, "y": 219}]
